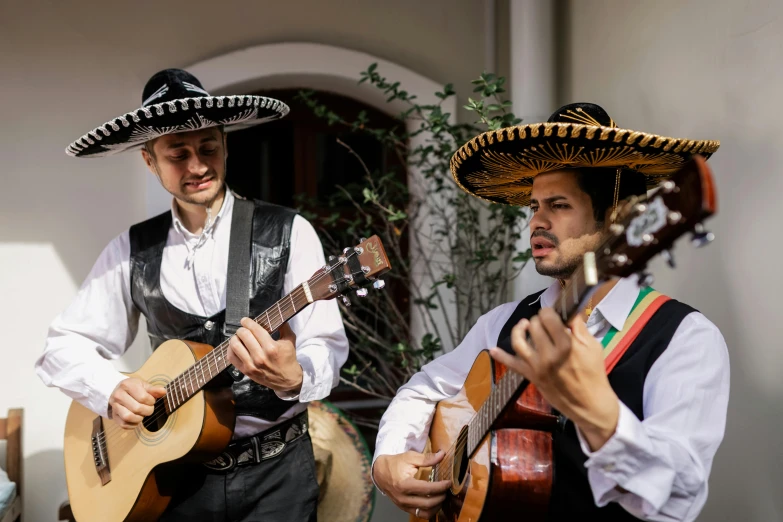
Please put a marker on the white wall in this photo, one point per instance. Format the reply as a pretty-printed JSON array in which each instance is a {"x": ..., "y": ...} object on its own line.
[
  {"x": 711, "y": 69},
  {"x": 66, "y": 67}
]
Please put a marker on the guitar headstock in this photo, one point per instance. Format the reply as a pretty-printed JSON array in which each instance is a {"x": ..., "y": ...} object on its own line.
[
  {"x": 646, "y": 228},
  {"x": 355, "y": 269}
]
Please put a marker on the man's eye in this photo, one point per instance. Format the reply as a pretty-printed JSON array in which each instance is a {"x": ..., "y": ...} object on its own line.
[
  {"x": 208, "y": 151},
  {"x": 559, "y": 205},
  {"x": 179, "y": 158},
  {"x": 534, "y": 209}
]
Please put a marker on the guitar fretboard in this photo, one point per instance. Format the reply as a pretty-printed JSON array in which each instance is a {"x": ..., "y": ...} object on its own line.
[
  {"x": 188, "y": 383},
  {"x": 509, "y": 387}
]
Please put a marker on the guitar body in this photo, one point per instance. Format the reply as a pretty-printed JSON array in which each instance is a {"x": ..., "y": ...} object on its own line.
[
  {"x": 139, "y": 486},
  {"x": 512, "y": 466}
]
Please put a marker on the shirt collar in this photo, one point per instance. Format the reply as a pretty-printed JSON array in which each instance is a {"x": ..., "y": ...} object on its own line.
[
  {"x": 615, "y": 307},
  {"x": 228, "y": 204}
]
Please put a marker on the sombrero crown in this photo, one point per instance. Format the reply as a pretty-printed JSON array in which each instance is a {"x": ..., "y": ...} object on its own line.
[
  {"x": 174, "y": 101},
  {"x": 499, "y": 166}
]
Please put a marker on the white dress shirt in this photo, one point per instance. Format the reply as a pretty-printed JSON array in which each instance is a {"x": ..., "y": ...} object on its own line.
[
  {"x": 102, "y": 321},
  {"x": 662, "y": 462}
]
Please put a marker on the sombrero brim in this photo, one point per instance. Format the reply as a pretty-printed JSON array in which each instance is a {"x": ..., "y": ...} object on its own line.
[
  {"x": 349, "y": 494},
  {"x": 131, "y": 130},
  {"x": 499, "y": 166}
]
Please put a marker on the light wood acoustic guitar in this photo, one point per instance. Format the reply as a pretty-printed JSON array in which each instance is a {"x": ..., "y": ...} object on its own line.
[
  {"x": 497, "y": 431},
  {"x": 114, "y": 474}
]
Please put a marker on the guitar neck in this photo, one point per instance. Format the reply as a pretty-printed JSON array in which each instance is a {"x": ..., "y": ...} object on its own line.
[
  {"x": 188, "y": 383},
  {"x": 508, "y": 389}
]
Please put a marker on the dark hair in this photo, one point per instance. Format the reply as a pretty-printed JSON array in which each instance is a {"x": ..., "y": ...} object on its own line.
[{"x": 599, "y": 184}]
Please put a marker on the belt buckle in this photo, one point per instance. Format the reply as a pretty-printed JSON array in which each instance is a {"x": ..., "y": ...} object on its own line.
[{"x": 224, "y": 462}]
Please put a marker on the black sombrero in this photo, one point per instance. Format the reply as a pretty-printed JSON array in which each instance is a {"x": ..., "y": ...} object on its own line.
[
  {"x": 174, "y": 101},
  {"x": 499, "y": 166}
]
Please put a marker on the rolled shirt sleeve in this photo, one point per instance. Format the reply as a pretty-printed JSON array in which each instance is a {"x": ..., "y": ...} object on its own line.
[
  {"x": 321, "y": 343},
  {"x": 97, "y": 327},
  {"x": 657, "y": 468}
]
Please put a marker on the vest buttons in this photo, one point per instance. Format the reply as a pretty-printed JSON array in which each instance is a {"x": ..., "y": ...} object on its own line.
[{"x": 209, "y": 325}]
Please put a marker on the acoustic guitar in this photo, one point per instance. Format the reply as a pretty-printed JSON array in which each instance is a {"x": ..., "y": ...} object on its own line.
[
  {"x": 115, "y": 475},
  {"x": 497, "y": 431}
]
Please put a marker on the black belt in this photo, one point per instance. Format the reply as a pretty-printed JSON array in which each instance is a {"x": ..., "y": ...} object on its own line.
[{"x": 260, "y": 447}]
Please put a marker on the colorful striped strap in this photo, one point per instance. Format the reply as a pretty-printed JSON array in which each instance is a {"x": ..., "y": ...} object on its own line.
[{"x": 616, "y": 343}]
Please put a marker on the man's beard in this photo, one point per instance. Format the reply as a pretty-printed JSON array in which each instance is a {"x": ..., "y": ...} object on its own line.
[
  {"x": 204, "y": 197},
  {"x": 569, "y": 255},
  {"x": 562, "y": 270}
]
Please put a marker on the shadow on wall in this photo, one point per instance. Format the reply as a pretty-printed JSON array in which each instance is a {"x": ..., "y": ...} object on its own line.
[{"x": 76, "y": 205}]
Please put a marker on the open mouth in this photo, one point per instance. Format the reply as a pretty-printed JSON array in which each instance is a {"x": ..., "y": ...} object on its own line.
[{"x": 541, "y": 246}]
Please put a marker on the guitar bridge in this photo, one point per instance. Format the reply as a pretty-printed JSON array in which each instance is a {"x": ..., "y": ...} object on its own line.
[{"x": 99, "y": 453}]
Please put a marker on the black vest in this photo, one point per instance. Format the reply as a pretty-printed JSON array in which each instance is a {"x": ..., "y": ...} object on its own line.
[
  {"x": 270, "y": 249},
  {"x": 571, "y": 493}
]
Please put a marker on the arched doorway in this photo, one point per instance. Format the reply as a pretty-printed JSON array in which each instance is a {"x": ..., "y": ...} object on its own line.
[{"x": 300, "y": 154}]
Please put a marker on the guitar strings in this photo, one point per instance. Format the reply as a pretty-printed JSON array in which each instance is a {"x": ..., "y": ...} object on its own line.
[
  {"x": 191, "y": 371},
  {"x": 444, "y": 467},
  {"x": 298, "y": 292},
  {"x": 159, "y": 407}
]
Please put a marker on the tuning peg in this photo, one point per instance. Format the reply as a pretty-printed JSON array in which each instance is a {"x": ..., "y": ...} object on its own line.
[
  {"x": 669, "y": 257},
  {"x": 646, "y": 279},
  {"x": 701, "y": 237},
  {"x": 379, "y": 284},
  {"x": 361, "y": 292},
  {"x": 332, "y": 259},
  {"x": 362, "y": 239},
  {"x": 346, "y": 301}
]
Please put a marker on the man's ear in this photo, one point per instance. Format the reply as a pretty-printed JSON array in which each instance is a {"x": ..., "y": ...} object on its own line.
[{"x": 148, "y": 161}]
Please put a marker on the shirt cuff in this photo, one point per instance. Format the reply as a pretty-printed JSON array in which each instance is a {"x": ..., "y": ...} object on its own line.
[
  {"x": 101, "y": 388},
  {"x": 624, "y": 462},
  {"x": 314, "y": 386},
  {"x": 291, "y": 395}
]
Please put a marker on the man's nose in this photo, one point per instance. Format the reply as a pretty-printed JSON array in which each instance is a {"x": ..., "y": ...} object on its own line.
[
  {"x": 197, "y": 165},
  {"x": 539, "y": 221}
]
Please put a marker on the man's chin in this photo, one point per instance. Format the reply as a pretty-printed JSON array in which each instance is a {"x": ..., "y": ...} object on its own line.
[
  {"x": 202, "y": 197},
  {"x": 550, "y": 269}
]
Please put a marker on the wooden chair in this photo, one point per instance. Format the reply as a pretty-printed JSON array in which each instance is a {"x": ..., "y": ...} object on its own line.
[{"x": 11, "y": 432}]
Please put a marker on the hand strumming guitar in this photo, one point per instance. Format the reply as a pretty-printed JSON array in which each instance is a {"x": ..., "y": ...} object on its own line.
[
  {"x": 395, "y": 476},
  {"x": 132, "y": 400},
  {"x": 266, "y": 361},
  {"x": 567, "y": 367}
]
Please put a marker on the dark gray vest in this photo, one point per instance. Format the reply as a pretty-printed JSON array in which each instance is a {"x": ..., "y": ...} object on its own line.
[
  {"x": 572, "y": 498},
  {"x": 271, "y": 233}
]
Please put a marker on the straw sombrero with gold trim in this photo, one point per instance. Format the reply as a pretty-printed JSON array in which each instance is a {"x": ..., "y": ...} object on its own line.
[
  {"x": 499, "y": 166},
  {"x": 343, "y": 464}
]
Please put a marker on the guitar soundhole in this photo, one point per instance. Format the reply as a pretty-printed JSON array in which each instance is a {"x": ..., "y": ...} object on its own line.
[
  {"x": 461, "y": 458},
  {"x": 158, "y": 419}
]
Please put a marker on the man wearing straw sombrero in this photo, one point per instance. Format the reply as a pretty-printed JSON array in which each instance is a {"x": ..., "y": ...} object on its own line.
[
  {"x": 176, "y": 270},
  {"x": 638, "y": 443}
]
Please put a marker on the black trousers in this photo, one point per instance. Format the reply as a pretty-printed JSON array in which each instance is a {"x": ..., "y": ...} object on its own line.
[{"x": 281, "y": 489}]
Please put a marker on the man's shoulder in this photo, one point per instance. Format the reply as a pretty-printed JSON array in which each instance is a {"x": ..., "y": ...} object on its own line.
[
  {"x": 164, "y": 218},
  {"x": 149, "y": 232},
  {"x": 273, "y": 208}
]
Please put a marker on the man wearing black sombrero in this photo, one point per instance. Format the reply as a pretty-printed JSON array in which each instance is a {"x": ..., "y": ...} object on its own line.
[
  {"x": 637, "y": 443},
  {"x": 180, "y": 272}
]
